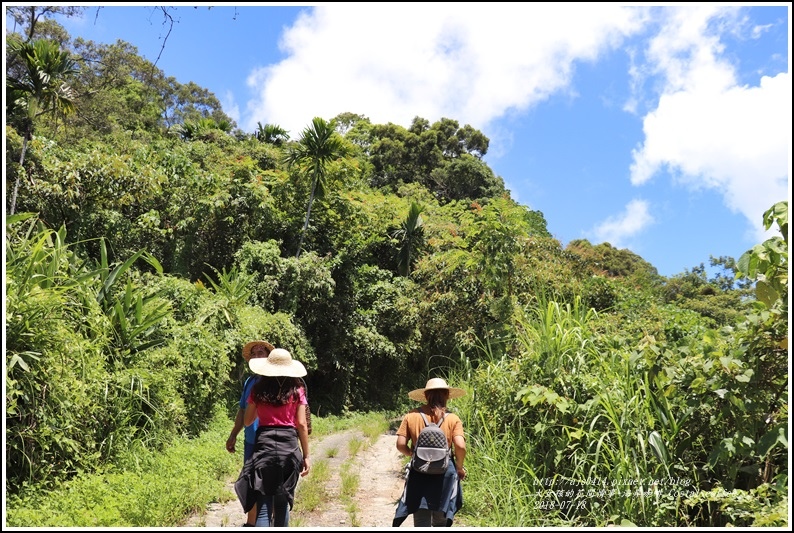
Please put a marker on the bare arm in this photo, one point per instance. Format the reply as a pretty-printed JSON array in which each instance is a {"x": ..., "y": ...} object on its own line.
[
  {"x": 460, "y": 454},
  {"x": 303, "y": 435},
  {"x": 250, "y": 414},
  {"x": 238, "y": 425},
  {"x": 402, "y": 446}
]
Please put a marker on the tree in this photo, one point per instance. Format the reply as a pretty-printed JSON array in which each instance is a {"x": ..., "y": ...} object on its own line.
[
  {"x": 464, "y": 177},
  {"x": 443, "y": 157},
  {"x": 117, "y": 90},
  {"x": 40, "y": 87},
  {"x": 344, "y": 122},
  {"x": 202, "y": 129},
  {"x": 606, "y": 260},
  {"x": 411, "y": 235},
  {"x": 455, "y": 141},
  {"x": 28, "y": 17},
  {"x": 271, "y": 134},
  {"x": 496, "y": 237},
  {"x": 190, "y": 102},
  {"x": 318, "y": 145}
]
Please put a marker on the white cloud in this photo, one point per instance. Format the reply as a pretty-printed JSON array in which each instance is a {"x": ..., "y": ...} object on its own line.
[
  {"x": 615, "y": 230},
  {"x": 709, "y": 131},
  {"x": 473, "y": 63},
  {"x": 230, "y": 107},
  {"x": 478, "y": 63}
]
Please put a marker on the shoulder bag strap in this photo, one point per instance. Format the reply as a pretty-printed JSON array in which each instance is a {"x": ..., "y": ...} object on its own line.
[{"x": 308, "y": 412}]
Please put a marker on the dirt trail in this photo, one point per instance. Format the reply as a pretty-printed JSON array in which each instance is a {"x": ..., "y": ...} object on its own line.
[{"x": 379, "y": 468}]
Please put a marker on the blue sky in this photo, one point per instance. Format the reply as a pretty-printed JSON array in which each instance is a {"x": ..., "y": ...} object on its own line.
[{"x": 664, "y": 129}]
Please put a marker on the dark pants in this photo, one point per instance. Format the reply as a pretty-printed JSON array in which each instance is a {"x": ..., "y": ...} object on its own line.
[
  {"x": 273, "y": 511},
  {"x": 428, "y": 518}
]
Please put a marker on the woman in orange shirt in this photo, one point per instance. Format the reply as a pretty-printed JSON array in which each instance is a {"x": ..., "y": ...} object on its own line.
[{"x": 433, "y": 499}]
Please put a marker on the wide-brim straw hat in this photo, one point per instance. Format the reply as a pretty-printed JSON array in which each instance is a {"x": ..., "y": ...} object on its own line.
[
  {"x": 436, "y": 383},
  {"x": 250, "y": 346},
  {"x": 278, "y": 363}
]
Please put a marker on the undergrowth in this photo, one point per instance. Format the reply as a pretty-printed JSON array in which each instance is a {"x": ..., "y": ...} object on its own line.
[
  {"x": 163, "y": 489},
  {"x": 152, "y": 489}
]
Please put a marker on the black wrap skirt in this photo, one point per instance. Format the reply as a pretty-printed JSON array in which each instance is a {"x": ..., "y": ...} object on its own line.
[{"x": 273, "y": 469}]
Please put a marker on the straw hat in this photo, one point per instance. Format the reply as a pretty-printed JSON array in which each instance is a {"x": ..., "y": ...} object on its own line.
[
  {"x": 436, "y": 383},
  {"x": 278, "y": 363},
  {"x": 250, "y": 346}
]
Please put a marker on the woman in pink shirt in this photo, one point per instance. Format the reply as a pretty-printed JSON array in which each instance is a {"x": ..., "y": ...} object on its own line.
[{"x": 281, "y": 450}]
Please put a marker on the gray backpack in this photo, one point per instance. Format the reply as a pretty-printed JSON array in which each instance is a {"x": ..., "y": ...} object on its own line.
[{"x": 431, "y": 453}]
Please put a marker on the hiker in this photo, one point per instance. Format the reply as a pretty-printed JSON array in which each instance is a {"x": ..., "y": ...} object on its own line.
[
  {"x": 281, "y": 449},
  {"x": 251, "y": 350},
  {"x": 433, "y": 499}
]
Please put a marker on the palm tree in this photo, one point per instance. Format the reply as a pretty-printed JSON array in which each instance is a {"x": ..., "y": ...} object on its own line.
[
  {"x": 271, "y": 134},
  {"x": 318, "y": 145},
  {"x": 36, "y": 87},
  {"x": 191, "y": 130},
  {"x": 411, "y": 234}
]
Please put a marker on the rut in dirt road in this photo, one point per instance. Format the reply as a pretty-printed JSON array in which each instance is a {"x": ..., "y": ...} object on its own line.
[{"x": 378, "y": 468}]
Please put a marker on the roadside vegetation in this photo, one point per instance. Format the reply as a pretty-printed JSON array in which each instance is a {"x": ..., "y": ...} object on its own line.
[
  {"x": 148, "y": 239},
  {"x": 143, "y": 489},
  {"x": 162, "y": 489}
]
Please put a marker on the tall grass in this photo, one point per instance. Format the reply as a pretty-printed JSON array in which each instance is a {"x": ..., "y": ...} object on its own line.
[
  {"x": 595, "y": 429},
  {"x": 350, "y": 481},
  {"x": 497, "y": 490},
  {"x": 566, "y": 426}
]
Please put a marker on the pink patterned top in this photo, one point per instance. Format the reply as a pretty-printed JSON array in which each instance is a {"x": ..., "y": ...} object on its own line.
[{"x": 279, "y": 415}]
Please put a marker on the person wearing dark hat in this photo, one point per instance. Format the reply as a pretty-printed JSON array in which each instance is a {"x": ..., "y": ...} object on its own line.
[
  {"x": 251, "y": 350},
  {"x": 433, "y": 499},
  {"x": 281, "y": 450}
]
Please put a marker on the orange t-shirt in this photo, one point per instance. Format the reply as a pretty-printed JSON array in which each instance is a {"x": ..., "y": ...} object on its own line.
[{"x": 412, "y": 424}]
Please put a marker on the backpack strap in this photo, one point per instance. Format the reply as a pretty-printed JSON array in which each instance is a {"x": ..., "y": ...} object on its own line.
[
  {"x": 427, "y": 422},
  {"x": 308, "y": 411}
]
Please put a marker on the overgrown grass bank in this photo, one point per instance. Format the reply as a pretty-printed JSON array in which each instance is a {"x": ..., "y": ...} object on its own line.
[
  {"x": 146, "y": 489},
  {"x": 589, "y": 427},
  {"x": 157, "y": 489}
]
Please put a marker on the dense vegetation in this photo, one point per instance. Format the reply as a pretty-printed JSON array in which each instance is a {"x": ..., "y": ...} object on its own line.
[{"x": 148, "y": 238}]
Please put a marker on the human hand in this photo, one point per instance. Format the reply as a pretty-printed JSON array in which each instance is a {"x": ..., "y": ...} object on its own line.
[
  {"x": 461, "y": 473},
  {"x": 306, "y": 466},
  {"x": 230, "y": 442}
]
